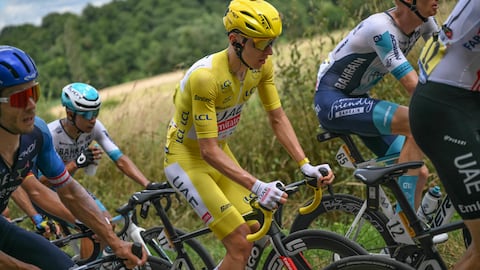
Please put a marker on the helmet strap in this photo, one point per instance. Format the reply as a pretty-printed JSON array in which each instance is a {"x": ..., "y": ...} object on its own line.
[
  {"x": 239, "y": 50},
  {"x": 73, "y": 123},
  {"x": 413, "y": 8},
  {"x": 7, "y": 130},
  {"x": 72, "y": 120}
]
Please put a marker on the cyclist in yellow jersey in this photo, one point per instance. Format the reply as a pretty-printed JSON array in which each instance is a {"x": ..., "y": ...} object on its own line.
[{"x": 209, "y": 101}]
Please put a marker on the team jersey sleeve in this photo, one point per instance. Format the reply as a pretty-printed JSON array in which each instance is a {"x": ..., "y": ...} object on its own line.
[
  {"x": 48, "y": 161},
  {"x": 267, "y": 90},
  {"x": 203, "y": 95},
  {"x": 101, "y": 136},
  {"x": 383, "y": 40},
  {"x": 429, "y": 28}
]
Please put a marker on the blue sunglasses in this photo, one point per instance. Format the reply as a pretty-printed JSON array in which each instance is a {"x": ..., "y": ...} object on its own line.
[{"x": 89, "y": 115}]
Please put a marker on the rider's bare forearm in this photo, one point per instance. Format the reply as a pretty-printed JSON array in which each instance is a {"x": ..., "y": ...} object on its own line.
[
  {"x": 126, "y": 165},
  {"x": 285, "y": 134},
  {"x": 87, "y": 211},
  {"x": 22, "y": 200},
  {"x": 45, "y": 198}
]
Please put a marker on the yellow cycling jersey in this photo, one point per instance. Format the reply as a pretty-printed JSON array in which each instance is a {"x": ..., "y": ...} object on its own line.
[{"x": 209, "y": 99}]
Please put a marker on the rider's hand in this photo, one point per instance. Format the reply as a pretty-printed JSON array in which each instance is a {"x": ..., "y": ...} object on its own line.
[
  {"x": 269, "y": 194},
  {"x": 85, "y": 158},
  {"x": 47, "y": 228},
  {"x": 315, "y": 172},
  {"x": 124, "y": 250},
  {"x": 97, "y": 152}
]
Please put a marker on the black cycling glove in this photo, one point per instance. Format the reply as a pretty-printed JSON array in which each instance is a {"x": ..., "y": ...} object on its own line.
[{"x": 84, "y": 159}]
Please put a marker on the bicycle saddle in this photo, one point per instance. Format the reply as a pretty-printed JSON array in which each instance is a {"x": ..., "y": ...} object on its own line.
[{"x": 378, "y": 175}]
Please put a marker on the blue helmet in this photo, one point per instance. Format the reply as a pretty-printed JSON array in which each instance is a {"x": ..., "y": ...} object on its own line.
[
  {"x": 81, "y": 97},
  {"x": 16, "y": 67}
]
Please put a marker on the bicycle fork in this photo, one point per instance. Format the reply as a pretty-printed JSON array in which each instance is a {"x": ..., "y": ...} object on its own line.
[{"x": 289, "y": 260}]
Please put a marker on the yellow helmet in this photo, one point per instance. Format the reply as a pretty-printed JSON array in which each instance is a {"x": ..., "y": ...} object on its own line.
[{"x": 253, "y": 18}]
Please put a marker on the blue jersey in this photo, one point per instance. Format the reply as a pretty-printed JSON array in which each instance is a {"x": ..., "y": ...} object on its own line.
[{"x": 35, "y": 152}]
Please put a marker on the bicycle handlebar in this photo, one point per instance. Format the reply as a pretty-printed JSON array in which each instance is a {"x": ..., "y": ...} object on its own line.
[
  {"x": 317, "y": 199},
  {"x": 291, "y": 188},
  {"x": 317, "y": 194},
  {"x": 267, "y": 222}
]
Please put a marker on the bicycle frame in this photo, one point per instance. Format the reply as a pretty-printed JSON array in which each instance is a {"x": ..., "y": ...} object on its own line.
[
  {"x": 349, "y": 156},
  {"x": 419, "y": 232},
  {"x": 130, "y": 228},
  {"x": 270, "y": 227}
]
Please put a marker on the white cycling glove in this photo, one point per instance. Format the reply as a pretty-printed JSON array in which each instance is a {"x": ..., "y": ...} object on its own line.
[
  {"x": 268, "y": 193},
  {"x": 314, "y": 171}
]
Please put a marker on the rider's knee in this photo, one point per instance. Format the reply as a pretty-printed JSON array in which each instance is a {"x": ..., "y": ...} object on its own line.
[{"x": 423, "y": 173}]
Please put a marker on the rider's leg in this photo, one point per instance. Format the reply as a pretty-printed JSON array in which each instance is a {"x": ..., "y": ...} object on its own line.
[
  {"x": 410, "y": 151},
  {"x": 238, "y": 249},
  {"x": 471, "y": 257},
  {"x": 31, "y": 248},
  {"x": 218, "y": 201}
]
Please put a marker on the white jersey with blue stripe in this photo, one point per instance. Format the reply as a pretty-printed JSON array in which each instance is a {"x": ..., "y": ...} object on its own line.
[
  {"x": 453, "y": 57},
  {"x": 69, "y": 148},
  {"x": 374, "y": 48}
]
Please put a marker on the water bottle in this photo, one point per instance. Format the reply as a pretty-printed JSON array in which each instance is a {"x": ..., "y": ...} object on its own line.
[{"x": 430, "y": 203}]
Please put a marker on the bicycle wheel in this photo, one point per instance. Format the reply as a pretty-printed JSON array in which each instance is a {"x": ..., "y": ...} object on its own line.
[
  {"x": 338, "y": 213},
  {"x": 368, "y": 262},
  {"x": 195, "y": 250},
  {"x": 314, "y": 248}
]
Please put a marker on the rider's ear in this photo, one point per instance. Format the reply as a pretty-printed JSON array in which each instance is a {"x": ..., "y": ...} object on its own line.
[
  {"x": 237, "y": 45},
  {"x": 69, "y": 115}
]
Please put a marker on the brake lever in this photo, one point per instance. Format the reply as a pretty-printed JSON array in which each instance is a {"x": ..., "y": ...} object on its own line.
[{"x": 317, "y": 194}]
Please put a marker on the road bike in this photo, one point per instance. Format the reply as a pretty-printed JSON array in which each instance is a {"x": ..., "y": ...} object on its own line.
[
  {"x": 97, "y": 260},
  {"x": 112, "y": 262},
  {"x": 423, "y": 253},
  {"x": 304, "y": 249},
  {"x": 154, "y": 238},
  {"x": 127, "y": 228},
  {"x": 370, "y": 221}
]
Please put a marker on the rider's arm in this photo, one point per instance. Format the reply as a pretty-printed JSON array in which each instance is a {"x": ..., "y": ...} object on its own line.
[
  {"x": 78, "y": 201},
  {"x": 21, "y": 199},
  {"x": 45, "y": 198},
  {"x": 71, "y": 167},
  {"x": 8, "y": 262},
  {"x": 87, "y": 211},
  {"x": 409, "y": 81},
  {"x": 285, "y": 134},
  {"x": 126, "y": 165},
  {"x": 122, "y": 161}
]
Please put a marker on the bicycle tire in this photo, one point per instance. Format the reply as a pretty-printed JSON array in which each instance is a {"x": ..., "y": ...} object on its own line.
[
  {"x": 338, "y": 212},
  {"x": 314, "y": 247},
  {"x": 368, "y": 262},
  {"x": 196, "y": 251}
]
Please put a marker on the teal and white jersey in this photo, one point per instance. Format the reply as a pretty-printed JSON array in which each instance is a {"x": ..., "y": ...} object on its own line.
[{"x": 374, "y": 48}]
